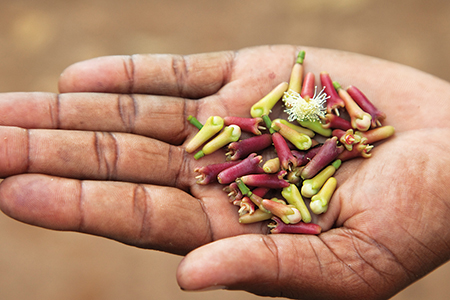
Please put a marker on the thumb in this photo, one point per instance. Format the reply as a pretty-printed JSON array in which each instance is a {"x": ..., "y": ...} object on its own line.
[
  {"x": 269, "y": 265},
  {"x": 328, "y": 266}
]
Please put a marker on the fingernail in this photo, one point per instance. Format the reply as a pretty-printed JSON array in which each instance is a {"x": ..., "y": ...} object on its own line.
[{"x": 209, "y": 288}]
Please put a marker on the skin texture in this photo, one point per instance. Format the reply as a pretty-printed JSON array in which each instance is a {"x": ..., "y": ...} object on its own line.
[{"x": 117, "y": 169}]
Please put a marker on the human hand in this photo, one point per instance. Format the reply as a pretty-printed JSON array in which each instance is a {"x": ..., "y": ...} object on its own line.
[{"x": 117, "y": 169}]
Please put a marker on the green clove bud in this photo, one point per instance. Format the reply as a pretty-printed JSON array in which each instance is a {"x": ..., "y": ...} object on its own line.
[
  {"x": 319, "y": 202},
  {"x": 272, "y": 165},
  {"x": 258, "y": 216},
  {"x": 265, "y": 105},
  {"x": 299, "y": 140},
  {"x": 300, "y": 129},
  {"x": 296, "y": 79},
  {"x": 212, "y": 126},
  {"x": 193, "y": 120},
  {"x": 230, "y": 134},
  {"x": 293, "y": 197},
  {"x": 312, "y": 186},
  {"x": 316, "y": 126}
]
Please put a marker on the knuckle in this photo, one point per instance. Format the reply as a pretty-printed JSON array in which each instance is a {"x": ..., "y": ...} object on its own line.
[{"x": 107, "y": 155}]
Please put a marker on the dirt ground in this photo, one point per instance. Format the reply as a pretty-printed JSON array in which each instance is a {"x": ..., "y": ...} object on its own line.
[{"x": 39, "y": 38}]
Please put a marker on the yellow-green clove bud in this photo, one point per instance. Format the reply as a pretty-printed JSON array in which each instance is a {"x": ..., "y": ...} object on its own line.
[
  {"x": 316, "y": 126},
  {"x": 265, "y": 105},
  {"x": 300, "y": 129},
  {"x": 212, "y": 126},
  {"x": 312, "y": 186},
  {"x": 319, "y": 202},
  {"x": 230, "y": 134},
  {"x": 296, "y": 79},
  {"x": 287, "y": 213},
  {"x": 258, "y": 216},
  {"x": 299, "y": 140},
  {"x": 293, "y": 197},
  {"x": 272, "y": 165}
]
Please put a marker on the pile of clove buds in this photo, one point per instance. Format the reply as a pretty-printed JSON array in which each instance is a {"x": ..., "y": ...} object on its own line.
[{"x": 323, "y": 129}]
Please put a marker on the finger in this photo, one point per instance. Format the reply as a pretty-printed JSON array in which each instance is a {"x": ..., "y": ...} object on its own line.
[
  {"x": 146, "y": 216},
  {"x": 92, "y": 155},
  {"x": 191, "y": 76},
  {"x": 162, "y": 118},
  {"x": 295, "y": 266}
]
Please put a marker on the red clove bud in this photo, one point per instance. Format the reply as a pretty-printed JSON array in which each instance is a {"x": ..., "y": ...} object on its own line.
[
  {"x": 272, "y": 181},
  {"x": 278, "y": 226},
  {"x": 359, "y": 150},
  {"x": 240, "y": 149},
  {"x": 287, "y": 160},
  {"x": 251, "y": 125},
  {"x": 209, "y": 173},
  {"x": 308, "y": 89},
  {"x": 249, "y": 165},
  {"x": 327, "y": 153},
  {"x": 334, "y": 102},
  {"x": 335, "y": 122}
]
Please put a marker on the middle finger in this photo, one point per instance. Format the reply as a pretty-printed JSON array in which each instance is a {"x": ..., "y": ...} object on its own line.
[{"x": 91, "y": 155}]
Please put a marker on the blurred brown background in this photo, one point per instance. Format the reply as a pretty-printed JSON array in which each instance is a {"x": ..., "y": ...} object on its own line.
[{"x": 39, "y": 38}]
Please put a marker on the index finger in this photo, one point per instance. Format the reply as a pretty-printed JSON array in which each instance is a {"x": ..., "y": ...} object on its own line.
[{"x": 192, "y": 76}]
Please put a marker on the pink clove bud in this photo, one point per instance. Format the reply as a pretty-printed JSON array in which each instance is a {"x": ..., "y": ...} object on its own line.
[
  {"x": 366, "y": 105},
  {"x": 278, "y": 226},
  {"x": 272, "y": 181},
  {"x": 246, "y": 206},
  {"x": 334, "y": 102},
  {"x": 308, "y": 87},
  {"x": 233, "y": 191},
  {"x": 304, "y": 157},
  {"x": 335, "y": 122},
  {"x": 287, "y": 160},
  {"x": 376, "y": 134},
  {"x": 260, "y": 191},
  {"x": 360, "y": 120},
  {"x": 347, "y": 138},
  {"x": 252, "y": 125},
  {"x": 246, "y": 192},
  {"x": 249, "y": 165},
  {"x": 287, "y": 213},
  {"x": 241, "y": 149},
  {"x": 359, "y": 150},
  {"x": 209, "y": 173},
  {"x": 327, "y": 153}
]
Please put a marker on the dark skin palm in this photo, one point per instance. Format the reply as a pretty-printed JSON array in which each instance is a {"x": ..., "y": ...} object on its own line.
[{"x": 117, "y": 168}]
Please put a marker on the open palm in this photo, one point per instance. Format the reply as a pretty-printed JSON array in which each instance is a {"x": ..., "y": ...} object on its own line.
[{"x": 116, "y": 167}]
